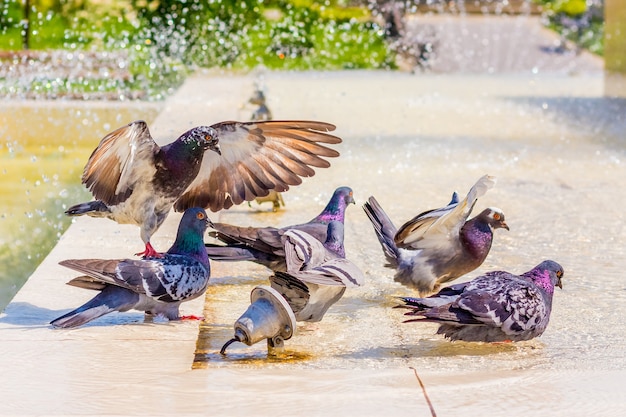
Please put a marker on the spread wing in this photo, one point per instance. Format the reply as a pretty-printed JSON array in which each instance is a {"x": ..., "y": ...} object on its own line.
[
  {"x": 122, "y": 158},
  {"x": 258, "y": 157},
  {"x": 302, "y": 251},
  {"x": 308, "y": 260},
  {"x": 436, "y": 228}
]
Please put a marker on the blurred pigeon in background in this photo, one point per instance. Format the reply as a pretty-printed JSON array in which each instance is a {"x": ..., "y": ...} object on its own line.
[
  {"x": 264, "y": 245},
  {"x": 135, "y": 181},
  {"x": 273, "y": 197},
  {"x": 154, "y": 285},
  {"x": 316, "y": 278},
  {"x": 262, "y": 112},
  {"x": 438, "y": 245},
  {"x": 495, "y": 307}
]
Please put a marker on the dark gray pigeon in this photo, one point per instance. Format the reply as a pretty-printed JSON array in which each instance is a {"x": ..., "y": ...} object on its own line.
[
  {"x": 316, "y": 278},
  {"x": 495, "y": 307},
  {"x": 438, "y": 245},
  {"x": 135, "y": 181},
  {"x": 264, "y": 245},
  {"x": 155, "y": 285}
]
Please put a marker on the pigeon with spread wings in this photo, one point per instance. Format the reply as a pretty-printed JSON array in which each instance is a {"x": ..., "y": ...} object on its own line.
[
  {"x": 136, "y": 181},
  {"x": 438, "y": 245}
]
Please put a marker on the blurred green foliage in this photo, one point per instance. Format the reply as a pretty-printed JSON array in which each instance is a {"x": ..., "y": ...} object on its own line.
[
  {"x": 165, "y": 39},
  {"x": 569, "y": 7},
  {"x": 581, "y": 22}
]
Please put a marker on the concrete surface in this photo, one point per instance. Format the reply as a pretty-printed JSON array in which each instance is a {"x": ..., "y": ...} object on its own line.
[{"x": 490, "y": 44}]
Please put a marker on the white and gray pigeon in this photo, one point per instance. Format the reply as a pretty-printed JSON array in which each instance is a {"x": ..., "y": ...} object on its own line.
[
  {"x": 438, "y": 245},
  {"x": 155, "y": 285},
  {"x": 316, "y": 277},
  {"x": 495, "y": 307},
  {"x": 264, "y": 245},
  {"x": 135, "y": 181}
]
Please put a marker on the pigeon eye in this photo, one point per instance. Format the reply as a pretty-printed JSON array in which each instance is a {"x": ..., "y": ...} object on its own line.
[
  {"x": 496, "y": 216},
  {"x": 200, "y": 216},
  {"x": 559, "y": 273}
]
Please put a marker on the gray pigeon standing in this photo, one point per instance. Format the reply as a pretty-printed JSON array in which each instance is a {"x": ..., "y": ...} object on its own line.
[
  {"x": 135, "y": 181},
  {"x": 316, "y": 278},
  {"x": 264, "y": 245},
  {"x": 438, "y": 245},
  {"x": 495, "y": 307},
  {"x": 155, "y": 285}
]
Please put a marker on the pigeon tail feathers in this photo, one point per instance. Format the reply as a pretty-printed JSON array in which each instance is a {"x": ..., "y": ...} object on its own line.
[
  {"x": 111, "y": 299},
  {"x": 96, "y": 208},
  {"x": 385, "y": 230},
  {"x": 229, "y": 253}
]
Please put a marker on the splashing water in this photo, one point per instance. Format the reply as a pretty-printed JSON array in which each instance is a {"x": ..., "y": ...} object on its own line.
[{"x": 43, "y": 150}]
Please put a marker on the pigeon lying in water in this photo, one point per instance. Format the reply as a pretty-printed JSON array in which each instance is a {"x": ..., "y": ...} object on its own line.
[
  {"x": 316, "y": 278},
  {"x": 495, "y": 307},
  {"x": 135, "y": 181},
  {"x": 264, "y": 245},
  {"x": 438, "y": 245},
  {"x": 155, "y": 285}
]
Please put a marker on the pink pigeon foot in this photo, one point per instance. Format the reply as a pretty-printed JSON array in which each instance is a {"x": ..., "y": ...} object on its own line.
[{"x": 149, "y": 252}]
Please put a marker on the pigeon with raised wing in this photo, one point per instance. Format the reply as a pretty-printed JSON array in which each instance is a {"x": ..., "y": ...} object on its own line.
[
  {"x": 316, "y": 278},
  {"x": 135, "y": 181},
  {"x": 264, "y": 245},
  {"x": 495, "y": 307},
  {"x": 438, "y": 245},
  {"x": 155, "y": 285}
]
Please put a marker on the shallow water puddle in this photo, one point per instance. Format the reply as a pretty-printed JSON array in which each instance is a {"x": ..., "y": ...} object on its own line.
[{"x": 559, "y": 188}]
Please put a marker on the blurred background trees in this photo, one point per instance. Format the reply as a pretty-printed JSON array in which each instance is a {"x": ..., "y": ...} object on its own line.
[{"x": 153, "y": 44}]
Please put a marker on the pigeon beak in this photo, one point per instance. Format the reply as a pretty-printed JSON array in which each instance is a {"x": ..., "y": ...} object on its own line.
[
  {"x": 559, "y": 284},
  {"x": 215, "y": 147},
  {"x": 504, "y": 225}
]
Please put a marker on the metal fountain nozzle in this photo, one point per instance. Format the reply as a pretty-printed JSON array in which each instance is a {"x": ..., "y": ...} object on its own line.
[{"x": 269, "y": 316}]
